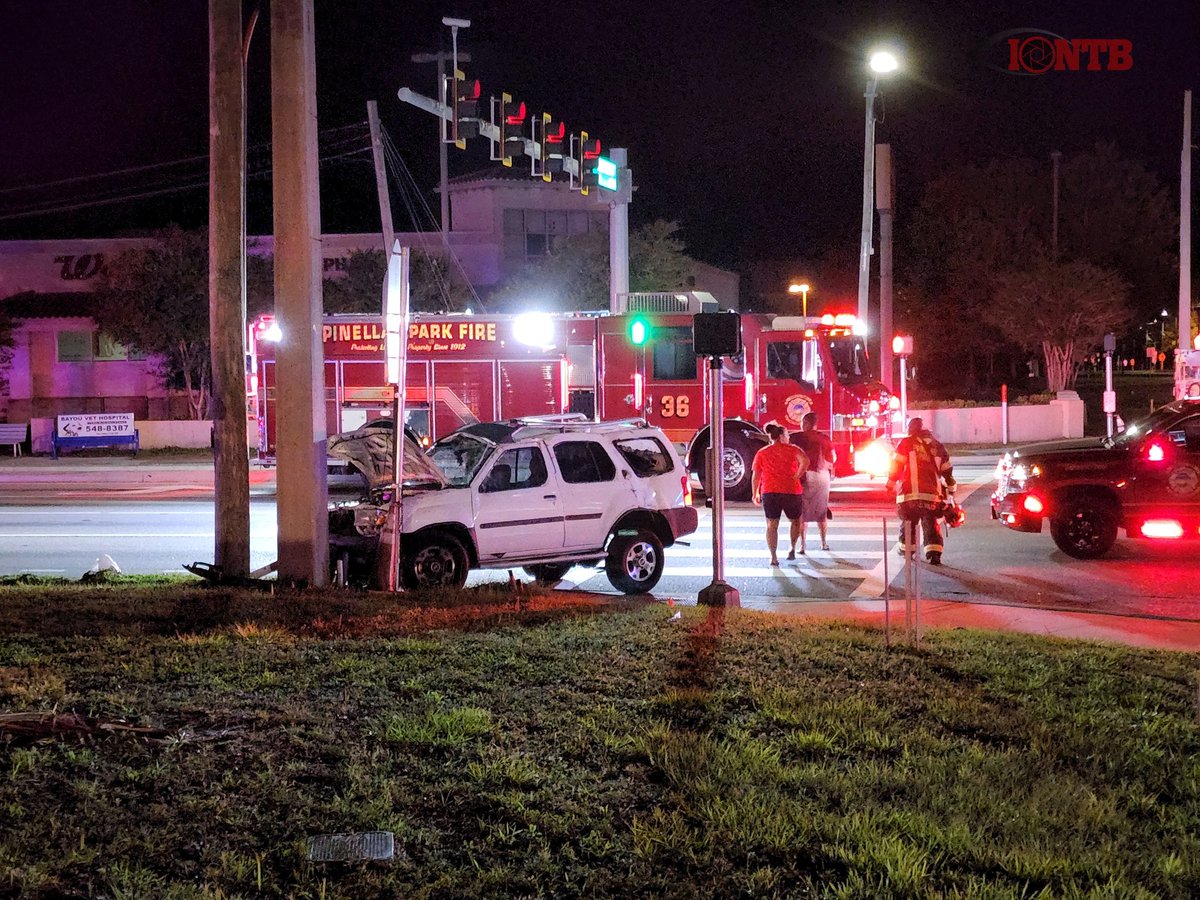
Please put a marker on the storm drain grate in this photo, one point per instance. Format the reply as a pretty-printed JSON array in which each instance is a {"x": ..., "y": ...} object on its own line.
[{"x": 369, "y": 845}]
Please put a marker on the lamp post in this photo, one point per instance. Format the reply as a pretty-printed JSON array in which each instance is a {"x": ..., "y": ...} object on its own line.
[
  {"x": 882, "y": 62},
  {"x": 802, "y": 289}
]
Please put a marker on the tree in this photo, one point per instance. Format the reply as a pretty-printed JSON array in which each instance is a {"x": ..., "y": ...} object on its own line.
[
  {"x": 155, "y": 298},
  {"x": 1062, "y": 310},
  {"x": 575, "y": 276},
  {"x": 6, "y": 347}
]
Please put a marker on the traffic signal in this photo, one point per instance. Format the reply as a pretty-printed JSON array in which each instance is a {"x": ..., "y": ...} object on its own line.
[
  {"x": 511, "y": 127},
  {"x": 639, "y": 331},
  {"x": 464, "y": 108},
  {"x": 589, "y": 152},
  {"x": 551, "y": 146},
  {"x": 607, "y": 173}
]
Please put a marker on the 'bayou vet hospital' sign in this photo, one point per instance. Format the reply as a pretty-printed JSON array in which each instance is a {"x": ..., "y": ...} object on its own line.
[{"x": 96, "y": 425}]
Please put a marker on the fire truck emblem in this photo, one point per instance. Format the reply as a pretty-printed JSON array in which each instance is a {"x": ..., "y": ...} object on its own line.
[
  {"x": 1183, "y": 480},
  {"x": 797, "y": 407}
]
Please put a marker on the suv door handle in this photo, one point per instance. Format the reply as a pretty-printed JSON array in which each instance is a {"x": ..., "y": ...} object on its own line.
[{"x": 549, "y": 496}]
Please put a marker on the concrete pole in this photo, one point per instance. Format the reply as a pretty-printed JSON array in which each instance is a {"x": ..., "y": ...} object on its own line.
[
  {"x": 618, "y": 236},
  {"x": 302, "y": 492},
  {"x": 886, "y": 205},
  {"x": 1185, "y": 228},
  {"x": 868, "y": 210},
  {"x": 227, "y": 285},
  {"x": 381, "y": 185}
]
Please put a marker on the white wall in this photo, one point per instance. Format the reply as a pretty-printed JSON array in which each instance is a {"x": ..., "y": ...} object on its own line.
[
  {"x": 1060, "y": 418},
  {"x": 152, "y": 434}
]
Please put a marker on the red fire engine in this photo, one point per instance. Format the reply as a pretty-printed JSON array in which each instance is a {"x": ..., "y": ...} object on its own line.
[
  {"x": 461, "y": 369},
  {"x": 465, "y": 368},
  {"x": 789, "y": 366}
]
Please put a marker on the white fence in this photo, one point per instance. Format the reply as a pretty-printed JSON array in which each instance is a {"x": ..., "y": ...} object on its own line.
[{"x": 1060, "y": 418}]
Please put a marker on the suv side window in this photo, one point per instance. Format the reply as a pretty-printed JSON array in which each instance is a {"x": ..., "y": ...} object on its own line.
[
  {"x": 1187, "y": 434},
  {"x": 646, "y": 456},
  {"x": 583, "y": 462},
  {"x": 523, "y": 467}
]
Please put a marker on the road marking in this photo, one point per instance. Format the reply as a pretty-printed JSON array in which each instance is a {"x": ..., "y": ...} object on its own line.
[
  {"x": 788, "y": 571},
  {"x": 761, "y": 551}
]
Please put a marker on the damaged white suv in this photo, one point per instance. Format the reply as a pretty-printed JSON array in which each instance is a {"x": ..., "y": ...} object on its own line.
[{"x": 544, "y": 494}]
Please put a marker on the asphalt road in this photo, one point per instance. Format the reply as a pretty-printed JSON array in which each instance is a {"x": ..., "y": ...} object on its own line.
[{"x": 150, "y": 530}]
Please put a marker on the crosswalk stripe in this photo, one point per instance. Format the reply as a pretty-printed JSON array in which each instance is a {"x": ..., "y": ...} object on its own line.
[
  {"x": 788, "y": 571},
  {"x": 761, "y": 551}
]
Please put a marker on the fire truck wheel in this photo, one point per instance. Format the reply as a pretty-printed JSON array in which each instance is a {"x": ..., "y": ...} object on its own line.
[
  {"x": 635, "y": 562},
  {"x": 548, "y": 573},
  {"x": 437, "y": 560},
  {"x": 737, "y": 468},
  {"x": 1085, "y": 528}
]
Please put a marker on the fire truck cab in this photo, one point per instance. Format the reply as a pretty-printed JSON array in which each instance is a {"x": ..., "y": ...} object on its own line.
[
  {"x": 1187, "y": 373},
  {"x": 645, "y": 366}
]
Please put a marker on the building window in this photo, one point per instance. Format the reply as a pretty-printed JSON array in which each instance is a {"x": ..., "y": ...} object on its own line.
[
  {"x": 531, "y": 235},
  {"x": 674, "y": 355},
  {"x": 92, "y": 346},
  {"x": 74, "y": 346}
]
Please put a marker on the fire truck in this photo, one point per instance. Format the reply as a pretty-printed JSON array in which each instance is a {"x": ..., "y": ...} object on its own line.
[
  {"x": 637, "y": 364},
  {"x": 462, "y": 369},
  {"x": 1187, "y": 373},
  {"x": 641, "y": 363}
]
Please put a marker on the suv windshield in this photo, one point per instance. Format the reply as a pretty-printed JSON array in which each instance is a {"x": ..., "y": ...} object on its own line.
[
  {"x": 459, "y": 456},
  {"x": 1140, "y": 429},
  {"x": 850, "y": 360}
]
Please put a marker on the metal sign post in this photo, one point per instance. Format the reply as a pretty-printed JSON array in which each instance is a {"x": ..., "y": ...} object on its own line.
[
  {"x": 719, "y": 593},
  {"x": 395, "y": 317},
  {"x": 1110, "y": 396}
]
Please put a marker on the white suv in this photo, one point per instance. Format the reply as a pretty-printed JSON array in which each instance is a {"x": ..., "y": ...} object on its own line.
[{"x": 547, "y": 494}]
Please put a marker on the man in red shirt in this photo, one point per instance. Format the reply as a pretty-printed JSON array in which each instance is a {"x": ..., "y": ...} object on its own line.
[{"x": 775, "y": 478}]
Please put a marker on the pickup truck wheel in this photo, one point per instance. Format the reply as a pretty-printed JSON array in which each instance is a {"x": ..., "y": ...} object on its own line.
[
  {"x": 548, "y": 573},
  {"x": 1084, "y": 529},
  {"x": 635, "y": 562},
  {"x": 435, "y": 561}
]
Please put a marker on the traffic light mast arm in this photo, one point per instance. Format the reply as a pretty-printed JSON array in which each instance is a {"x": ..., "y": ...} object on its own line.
[{"x": 486, "y": 129}]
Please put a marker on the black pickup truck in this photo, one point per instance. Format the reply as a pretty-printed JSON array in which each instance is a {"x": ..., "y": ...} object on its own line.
[{"x": 1145, "y": 480}]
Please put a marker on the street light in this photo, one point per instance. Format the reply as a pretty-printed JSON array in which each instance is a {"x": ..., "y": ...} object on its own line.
[
  {"x": 803, "y": 290},
  {"x": 881, "y": 62}
]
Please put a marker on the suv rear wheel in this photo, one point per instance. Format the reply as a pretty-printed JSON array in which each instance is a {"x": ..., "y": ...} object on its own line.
[
  {"x": 437, "y": 560},
  {"x": 635, "y": 562},
  {"x": 548, "y": 573},
  {"x": 1085, "y": 528}
]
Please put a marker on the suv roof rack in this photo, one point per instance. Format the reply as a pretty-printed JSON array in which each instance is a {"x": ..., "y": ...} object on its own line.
[{"x": 534, "y": 425}]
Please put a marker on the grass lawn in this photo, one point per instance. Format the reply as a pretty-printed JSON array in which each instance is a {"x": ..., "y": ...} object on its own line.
[{"x": 565, "y": 746}]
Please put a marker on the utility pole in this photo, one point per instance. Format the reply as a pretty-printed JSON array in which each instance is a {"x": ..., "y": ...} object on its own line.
[
  {"x": 441, "y": 58},
  {"x": 868, "y": 217},
  {"x": 381, "y": 186},
  {"x": 884, "y": 200},
  {"x": 1055, "y": 157},
  {"x": 227, "y": 284},
  {"x": 302, "y": 492},
  {"x": 618, "y": 234},
  {"x": 1185, "y": 228}
]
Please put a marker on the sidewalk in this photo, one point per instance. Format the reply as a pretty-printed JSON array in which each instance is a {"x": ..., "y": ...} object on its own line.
[
  {"x": 116, "y": 471},
  {"x": 1134, "y": 631}
]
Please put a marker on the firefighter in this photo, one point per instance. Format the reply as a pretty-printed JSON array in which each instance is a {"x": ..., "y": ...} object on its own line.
[{"x": 922, "y": 477}]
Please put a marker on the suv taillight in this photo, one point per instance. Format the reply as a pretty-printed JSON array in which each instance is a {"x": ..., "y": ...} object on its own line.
[{"x": 687, "y": 490}]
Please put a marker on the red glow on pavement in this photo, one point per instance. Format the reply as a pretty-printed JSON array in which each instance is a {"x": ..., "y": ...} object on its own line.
[
  {"x": 1162, "y": 528},
  {"x": 1034, "y": 505}
]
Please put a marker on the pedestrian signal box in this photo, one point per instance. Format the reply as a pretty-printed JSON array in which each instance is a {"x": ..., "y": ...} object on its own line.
[{"x": 717, "y": 334}]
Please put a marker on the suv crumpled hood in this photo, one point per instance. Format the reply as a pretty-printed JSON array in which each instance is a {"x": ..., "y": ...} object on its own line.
[{"x": 369, "y": 450}]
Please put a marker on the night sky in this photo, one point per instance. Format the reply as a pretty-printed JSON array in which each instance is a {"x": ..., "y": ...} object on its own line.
[{"x": 744, "y": 121}]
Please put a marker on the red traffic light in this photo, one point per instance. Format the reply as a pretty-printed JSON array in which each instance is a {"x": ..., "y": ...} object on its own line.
[
  {"x": 515, "y": 115},
  {"x": 902, "y": 345}
]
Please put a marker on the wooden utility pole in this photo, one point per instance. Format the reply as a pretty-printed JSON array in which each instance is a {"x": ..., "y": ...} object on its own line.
[
  {"x": 302, "y": 490},
  {"x": 227, "y": 284},
  {"x": 381, "y": 186}
]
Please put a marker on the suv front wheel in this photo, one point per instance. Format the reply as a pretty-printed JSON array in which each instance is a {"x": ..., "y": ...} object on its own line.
[
  {"x": 635, "y": 562},
  {"x": 1085, "y": 528},
  {"x": 435, "y": 561}
]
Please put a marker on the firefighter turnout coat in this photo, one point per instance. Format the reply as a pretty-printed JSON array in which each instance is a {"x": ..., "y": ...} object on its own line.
[{"x": 920, "y": 466}]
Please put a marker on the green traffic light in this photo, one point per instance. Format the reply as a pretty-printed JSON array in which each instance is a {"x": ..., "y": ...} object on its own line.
[{"x": 639, "y": 332}]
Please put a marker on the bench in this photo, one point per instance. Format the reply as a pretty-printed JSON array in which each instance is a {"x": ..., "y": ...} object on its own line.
[
  {"x": 58, "y": 441},
  {"x": 14, "y": 433}
]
